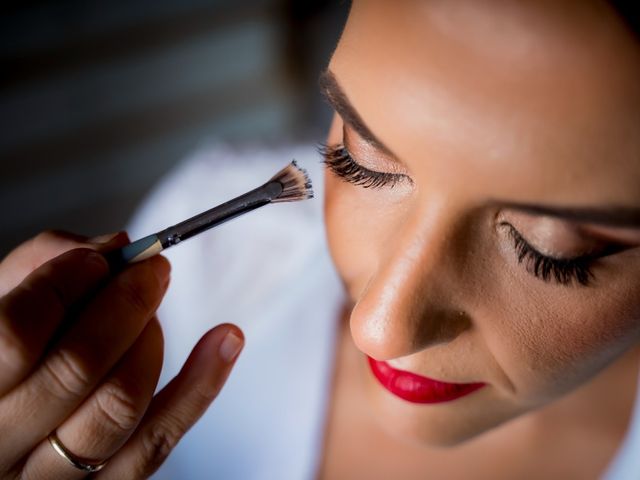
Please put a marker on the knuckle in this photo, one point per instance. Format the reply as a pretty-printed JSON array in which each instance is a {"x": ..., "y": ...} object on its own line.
[
  {"x": 117, "y": 408},
  {"x": 202, "y": 396},
  {"x": 14, "y": 354},
  {"x": 157, "y": 443},
  {"x": 66, "y": 377},
  {"x": 50, "y": 244},
  {"x": 46, "y": 236}
]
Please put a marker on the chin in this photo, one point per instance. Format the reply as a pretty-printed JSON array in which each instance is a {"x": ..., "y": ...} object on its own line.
[{"x": 442, "y": 425}]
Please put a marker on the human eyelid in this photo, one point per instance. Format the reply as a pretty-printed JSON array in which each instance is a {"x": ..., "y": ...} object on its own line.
[
  {"x": 564, "y": 271},
  {"x": 338, "y": 159}
]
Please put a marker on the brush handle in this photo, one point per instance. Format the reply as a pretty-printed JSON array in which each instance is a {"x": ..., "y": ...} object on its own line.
[
  {"x": 153, "y": 244},
  {"x": 224, "y": 212},
  {"x": 134, "y": 252}
]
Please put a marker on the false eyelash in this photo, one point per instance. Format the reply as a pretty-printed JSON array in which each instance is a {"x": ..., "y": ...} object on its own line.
[
  {"x": 563, "y": 271},
  {"x": 339, "y": 160}
]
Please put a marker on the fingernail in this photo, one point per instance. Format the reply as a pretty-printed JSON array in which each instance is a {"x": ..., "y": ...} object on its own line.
[
  {"x": 230, "y": 347},
  {"x": 103, "y": 239}
]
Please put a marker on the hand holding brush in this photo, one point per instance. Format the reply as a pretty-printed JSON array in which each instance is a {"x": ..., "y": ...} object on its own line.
[{"x": 81, "y": 349}]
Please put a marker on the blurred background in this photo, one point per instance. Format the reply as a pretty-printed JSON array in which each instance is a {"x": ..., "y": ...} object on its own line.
[{"x": 99, "y": 99}]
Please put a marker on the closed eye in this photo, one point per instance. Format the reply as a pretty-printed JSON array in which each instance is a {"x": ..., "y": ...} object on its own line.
[
  {"x": 561, "y": 270},
  {"x": 338, "y": 159}
]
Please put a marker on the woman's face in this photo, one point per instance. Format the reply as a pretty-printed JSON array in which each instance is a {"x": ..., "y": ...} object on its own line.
[{"x": 497, "y": 243}]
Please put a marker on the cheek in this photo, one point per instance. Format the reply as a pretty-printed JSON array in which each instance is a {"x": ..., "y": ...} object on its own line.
[
  {"x": 550, "y": 339},
  {"x": 353, "y": 257},
  {"x": 359, "y": 224}
]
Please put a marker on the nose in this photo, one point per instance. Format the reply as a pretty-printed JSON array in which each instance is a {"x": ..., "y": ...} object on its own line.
[{"x": 409, "y": 303}]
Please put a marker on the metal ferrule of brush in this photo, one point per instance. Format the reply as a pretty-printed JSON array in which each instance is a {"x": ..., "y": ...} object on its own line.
[{"x": 244, "y": 203}]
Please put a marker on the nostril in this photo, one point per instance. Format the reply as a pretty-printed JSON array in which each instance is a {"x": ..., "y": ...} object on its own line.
[{"x": 386, "y": 335}]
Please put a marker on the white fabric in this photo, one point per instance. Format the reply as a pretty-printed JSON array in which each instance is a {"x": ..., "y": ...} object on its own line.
[{"x": 270, "y": 273}]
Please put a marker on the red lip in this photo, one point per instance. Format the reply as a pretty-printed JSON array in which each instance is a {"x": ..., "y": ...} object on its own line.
[{"x": 416, "y": 388}]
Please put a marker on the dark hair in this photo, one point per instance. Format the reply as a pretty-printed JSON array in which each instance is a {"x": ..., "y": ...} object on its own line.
[{"x": 629, "y": 11}]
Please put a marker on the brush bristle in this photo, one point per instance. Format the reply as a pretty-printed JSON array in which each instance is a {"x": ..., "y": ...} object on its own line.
[{"x": 296, "y": 184}]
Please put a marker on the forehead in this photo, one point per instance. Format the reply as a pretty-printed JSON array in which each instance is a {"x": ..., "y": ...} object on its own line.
[{"x": 537, "y": 91}]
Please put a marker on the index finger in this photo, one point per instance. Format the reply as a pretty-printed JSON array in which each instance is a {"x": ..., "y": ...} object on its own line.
[{"x": 35, "y": 252}]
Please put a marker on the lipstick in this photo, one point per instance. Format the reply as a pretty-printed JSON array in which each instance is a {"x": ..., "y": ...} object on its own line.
[{"x": 416, "y": 388}]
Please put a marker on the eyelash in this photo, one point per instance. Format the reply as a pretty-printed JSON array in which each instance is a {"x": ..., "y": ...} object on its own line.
[
  {"x": 338, "y": 159},
  {"x": 563, "y": 271}
]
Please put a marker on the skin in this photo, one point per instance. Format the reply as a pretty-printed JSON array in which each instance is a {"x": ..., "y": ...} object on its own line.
[
  {"x": 482, "y": 105},
  {"x": 80, "y": 355}
]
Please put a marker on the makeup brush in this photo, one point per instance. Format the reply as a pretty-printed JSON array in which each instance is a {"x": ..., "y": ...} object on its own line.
[{"x": 288, "y": 185}]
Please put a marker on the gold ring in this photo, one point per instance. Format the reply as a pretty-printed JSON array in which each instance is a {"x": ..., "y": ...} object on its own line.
[{"x": 79, "y": 463}]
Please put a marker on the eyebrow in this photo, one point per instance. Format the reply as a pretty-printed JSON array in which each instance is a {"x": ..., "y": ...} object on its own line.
[
  {"x": 331, "y": 90},
  {"x": 621, "y": 217}
]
